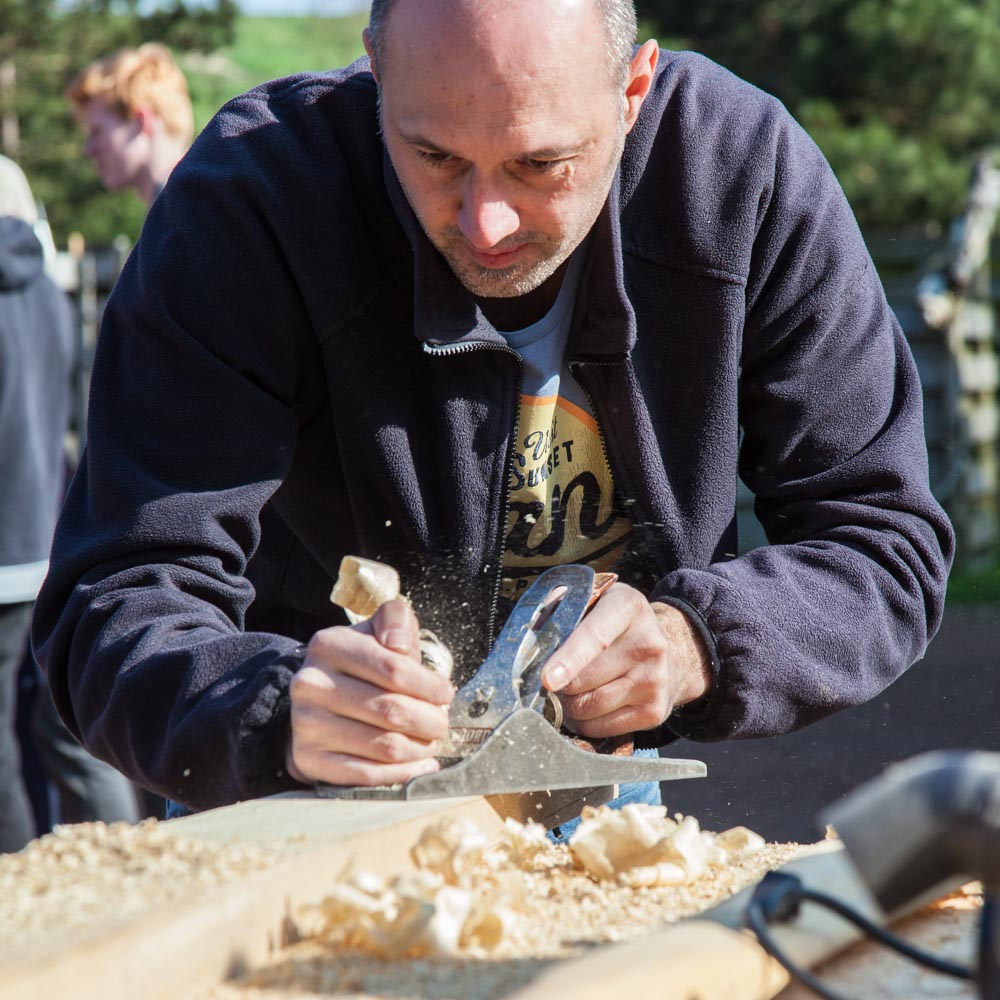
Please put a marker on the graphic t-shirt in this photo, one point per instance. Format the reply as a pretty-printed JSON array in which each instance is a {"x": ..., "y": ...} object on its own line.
[{"x": 563, "y": 507}]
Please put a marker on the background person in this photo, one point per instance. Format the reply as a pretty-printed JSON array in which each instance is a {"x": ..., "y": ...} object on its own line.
[
  {"x": 36, "y": 363},
  {"x": 136, "y": 110}
]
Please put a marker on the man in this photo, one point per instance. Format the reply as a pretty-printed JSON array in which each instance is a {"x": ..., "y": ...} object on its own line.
[
  {"x": 137, "y": 113},
  {"x": 37, "y": 345},
  {"x": 313, "y": 316}
]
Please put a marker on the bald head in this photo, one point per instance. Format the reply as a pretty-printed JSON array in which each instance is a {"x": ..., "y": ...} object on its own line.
[
  {"x": 501, "y": 134},
  {"x": 616, "y": 18}
]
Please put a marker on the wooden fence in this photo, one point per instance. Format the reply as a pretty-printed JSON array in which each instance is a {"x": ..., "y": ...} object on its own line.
[{"x": 87, "y": 277}]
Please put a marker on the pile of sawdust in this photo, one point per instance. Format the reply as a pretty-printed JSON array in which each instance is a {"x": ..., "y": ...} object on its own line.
[
  {"x": 87, "y": 872},
  {"x": 560, "y": 912}
]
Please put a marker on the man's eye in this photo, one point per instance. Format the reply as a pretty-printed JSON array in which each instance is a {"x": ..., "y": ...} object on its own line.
[
  {"x": 540, "y": 166},
  {"x": 434, "y": 156}
]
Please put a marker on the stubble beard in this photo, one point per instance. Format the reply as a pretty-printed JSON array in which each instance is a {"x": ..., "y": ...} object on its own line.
[{"x": 506, "y": 282}]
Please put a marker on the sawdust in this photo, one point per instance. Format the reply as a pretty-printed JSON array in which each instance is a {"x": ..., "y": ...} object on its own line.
[
  {"x": 562, "y": 913},
  {"x": 88, "y": 872}
]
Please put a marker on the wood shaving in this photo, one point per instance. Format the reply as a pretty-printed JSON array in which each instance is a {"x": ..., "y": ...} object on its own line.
[
  {"x": 363, "y": 586},
  {"x": 87, "y": 872},
  {"x": 640, "y": 846},
  {"x": 521, "y": 906}
]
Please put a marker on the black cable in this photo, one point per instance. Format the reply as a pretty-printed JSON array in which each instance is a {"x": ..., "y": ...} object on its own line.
[
  {"x": 778, "y": 898},
  {"x": 989, "y": 949}
]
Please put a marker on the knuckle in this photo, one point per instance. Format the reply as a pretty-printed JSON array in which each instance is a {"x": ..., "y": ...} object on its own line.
[
  {"x": 647, "y": 717},
  {"x": 632, "y": 600},
  {"x": 324, "y": 642},
  {"x": 308, "y": 685},
  {"x": 391, "y": 748},
  {"x": 391, "y": 715},
  {"x": 600, "y": 632},
  {"x": 301, "y": 686},
  {"x": 392, "y": 671}
]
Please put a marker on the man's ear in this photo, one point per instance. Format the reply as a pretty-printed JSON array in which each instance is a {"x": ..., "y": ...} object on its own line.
[
  {"x": 145, "y": 118},
  {"x": 366, "y": 38},
  {"x": 641, "y": 70}
]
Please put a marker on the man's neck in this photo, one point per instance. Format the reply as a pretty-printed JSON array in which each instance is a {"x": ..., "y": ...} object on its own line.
[
  {"x": 521, "y": 311},
  {"x": 165, "y": 154}
]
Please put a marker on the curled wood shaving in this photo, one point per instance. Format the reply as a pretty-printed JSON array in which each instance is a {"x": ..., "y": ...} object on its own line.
[
  {"x": 465, "y": 894},
  {"x": 640, "y": 846},
  {"x": 363, "y": 586},
  {"x": 532, "y": 906}
]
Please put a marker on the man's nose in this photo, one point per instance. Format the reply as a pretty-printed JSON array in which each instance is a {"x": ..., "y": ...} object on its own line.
[{"x": 486, "y": 216}]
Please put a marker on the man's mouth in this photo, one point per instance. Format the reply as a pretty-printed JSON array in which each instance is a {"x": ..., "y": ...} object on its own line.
[{"x": 497, "y": 259}]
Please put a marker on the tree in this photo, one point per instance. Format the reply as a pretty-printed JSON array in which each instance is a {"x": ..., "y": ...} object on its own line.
[
  {"x": 43, "y": 43},
  {"x": 899, "y": 94}
]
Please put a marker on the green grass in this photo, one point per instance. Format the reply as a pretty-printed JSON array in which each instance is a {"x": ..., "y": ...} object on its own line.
[
  {"x": 266, "y": 48},
  {"x": 975, "y": 586}
]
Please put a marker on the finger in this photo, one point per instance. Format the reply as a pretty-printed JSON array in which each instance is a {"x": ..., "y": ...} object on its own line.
[
  {"x": 606, "y": 668},
  {"x": 601, "y": 701},
  {"x": 616, "y": 710},
  {"x": 396, "y": 627},
  {"x": 344, "y": 769},
  {"x": 316, "y": 731},
  {"x": 349, "y": 698},
  {"x": 631, "y": 719},
  {"x": 357, "y": 654},
  {"x": 610, "y": 618}
]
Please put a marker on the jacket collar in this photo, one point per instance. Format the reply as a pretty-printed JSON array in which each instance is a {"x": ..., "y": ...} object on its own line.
[{"x": 444, "y": 314}]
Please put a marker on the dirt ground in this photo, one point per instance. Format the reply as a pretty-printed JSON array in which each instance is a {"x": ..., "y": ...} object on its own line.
[{"x": 949, "y": 700}]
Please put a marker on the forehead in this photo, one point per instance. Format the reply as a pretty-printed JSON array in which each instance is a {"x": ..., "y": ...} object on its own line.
[{"x": 489, "y": 68}]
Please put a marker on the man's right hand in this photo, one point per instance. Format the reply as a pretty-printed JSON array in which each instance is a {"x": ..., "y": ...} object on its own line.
[{"x": 365, "y": 711}]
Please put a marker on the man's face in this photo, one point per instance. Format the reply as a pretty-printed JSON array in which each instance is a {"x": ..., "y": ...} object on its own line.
[
  {"x": 504, "y": 130},
  {"x": 117, "y": 146}
]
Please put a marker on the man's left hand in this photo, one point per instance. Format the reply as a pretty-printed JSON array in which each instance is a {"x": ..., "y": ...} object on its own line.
[{"x": 627, "y": 665}]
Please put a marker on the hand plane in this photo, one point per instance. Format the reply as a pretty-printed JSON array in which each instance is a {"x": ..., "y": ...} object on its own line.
[{"x": 501, "y": 740}]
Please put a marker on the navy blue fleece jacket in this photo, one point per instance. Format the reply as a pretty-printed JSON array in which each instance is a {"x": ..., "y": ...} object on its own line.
[{"x": 284, "y": 332}]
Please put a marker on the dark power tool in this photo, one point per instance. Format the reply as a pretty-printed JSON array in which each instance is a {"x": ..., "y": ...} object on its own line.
[{"x": 911, "y": 832}]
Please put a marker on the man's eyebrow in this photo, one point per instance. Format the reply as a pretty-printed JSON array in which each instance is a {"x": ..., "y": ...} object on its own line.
[
  {"x": 555, "y": 152},
  {"x": 545, "y": 153},
  {"x": 416, "y": 139}
]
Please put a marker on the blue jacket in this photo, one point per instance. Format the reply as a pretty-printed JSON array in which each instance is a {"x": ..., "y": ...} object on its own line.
[
  {"x": 37, "y": 346},
  {"x": 283, "y": 331}
]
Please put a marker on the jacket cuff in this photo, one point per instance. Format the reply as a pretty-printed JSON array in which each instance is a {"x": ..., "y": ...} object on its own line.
[
  {"x": 264, "y": 740},
  {"x": 687, "y": 720}
]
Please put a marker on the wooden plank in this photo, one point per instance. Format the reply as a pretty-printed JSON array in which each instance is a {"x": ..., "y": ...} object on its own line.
[
  {"x": 695, "y": 960},
  {"x": 181, "y": 949},
  {"x": 178, "y": 949},
  {"x": 712, "y": 958}
]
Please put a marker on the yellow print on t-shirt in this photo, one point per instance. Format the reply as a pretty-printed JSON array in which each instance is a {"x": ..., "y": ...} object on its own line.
[{"x": 562, "y": 503}]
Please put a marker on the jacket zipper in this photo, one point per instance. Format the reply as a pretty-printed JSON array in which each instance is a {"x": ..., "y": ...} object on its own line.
[
  {"x": 617, "y": 469},
  {"x": 491, "y": 625}
]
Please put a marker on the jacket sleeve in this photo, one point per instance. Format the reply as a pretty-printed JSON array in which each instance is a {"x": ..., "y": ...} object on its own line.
[
  {"x": 851, "y": 587},
  {"x": 204, "y": 372}
]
